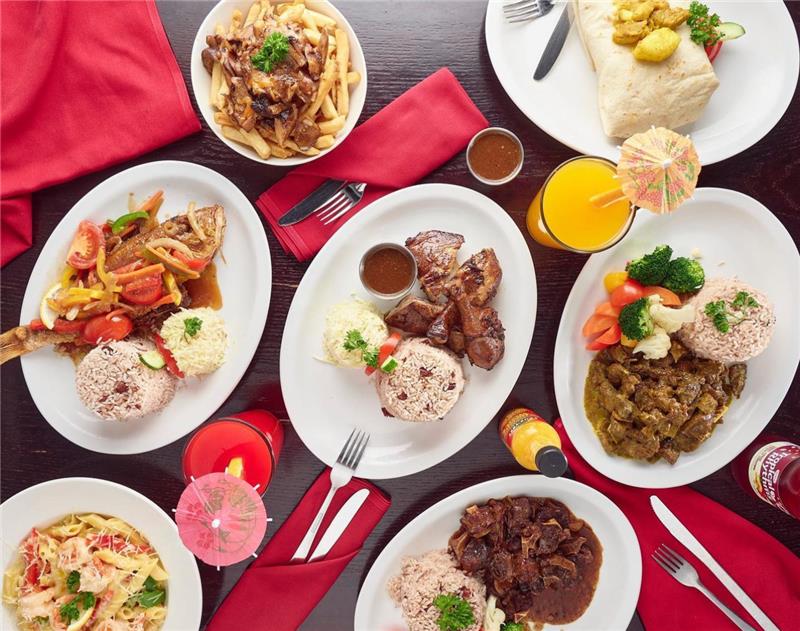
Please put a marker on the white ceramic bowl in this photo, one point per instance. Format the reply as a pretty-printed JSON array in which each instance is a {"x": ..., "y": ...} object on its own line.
[
  {"x": 47, "y": 503},
  {"x": 201, "y": 80}
]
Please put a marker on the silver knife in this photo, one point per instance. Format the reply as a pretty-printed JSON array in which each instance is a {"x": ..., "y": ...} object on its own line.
[
  {"x": 339, "y": 524},
  {"x": 680, "y": 532},
  {"x": 309, "y": 204},
  {"x": 554, "y": 45}
]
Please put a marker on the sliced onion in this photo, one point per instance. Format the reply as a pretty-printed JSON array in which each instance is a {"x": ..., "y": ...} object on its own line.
[
  {"x": 166, "y": 242},
  {"x": 192, "y": 217}
]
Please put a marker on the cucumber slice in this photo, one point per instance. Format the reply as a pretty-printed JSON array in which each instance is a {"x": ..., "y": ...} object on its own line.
[
  {"x": 152, "y": 359},
  {"x": 730, "y": 30},
  {"x": 389, "y": 365}
]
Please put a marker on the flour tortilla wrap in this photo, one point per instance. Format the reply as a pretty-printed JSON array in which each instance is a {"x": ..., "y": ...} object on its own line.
[{"x": 634, "y": 95}]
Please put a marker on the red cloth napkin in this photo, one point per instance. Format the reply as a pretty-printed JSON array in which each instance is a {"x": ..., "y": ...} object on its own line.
[
  {"x": 413, "y": 135},
  {"x": 85, "y": 85},
  {"x": 767, "y": 570},
  {"x": 278, "y": 595}
]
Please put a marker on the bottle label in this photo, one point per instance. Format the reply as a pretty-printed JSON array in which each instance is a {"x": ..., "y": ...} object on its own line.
[
  {"x": 765, "y": 470},
  {"x": 513, "y": 420}
]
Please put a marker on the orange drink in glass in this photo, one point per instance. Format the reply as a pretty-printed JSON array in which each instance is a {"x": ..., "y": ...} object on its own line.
[{"x": 562, "y": 215}]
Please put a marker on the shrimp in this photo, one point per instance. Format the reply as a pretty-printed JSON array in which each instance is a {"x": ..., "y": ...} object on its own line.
[
  {"x": 96, "y": 576},
  {"x": 56, "y": 622},
  {"x": 36, "y": 604},
  {"x": 73, "y": 554}
]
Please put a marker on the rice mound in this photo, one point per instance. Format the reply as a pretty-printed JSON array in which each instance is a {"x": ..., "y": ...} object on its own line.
[
  {"x": 114, "y": 383},
  {"x": 426, "y": 384},
  {"x": 423, "y": 578},
  {"x": 743, "y": 341}
]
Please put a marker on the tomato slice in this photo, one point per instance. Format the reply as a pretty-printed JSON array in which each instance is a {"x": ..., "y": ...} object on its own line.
[
  {"x": 713, "y": 50},
  {"x": 100, "y": 328},
  {"x": 597, "y": 324},
  {"x": 607, "y": 309},
  {"x": 668, "y": 298},
  {"x": 611, "y": 336},
  {"x": 143, "y": 291},
  {"x": 68, "y": 326},
  {"x": 193, "y": 264},
  {"x": 85, "y": 245},
  {"x": 386, "y": 349},
  {"x": 628, "y": 292},
  {"x": 169, "y": 359}
]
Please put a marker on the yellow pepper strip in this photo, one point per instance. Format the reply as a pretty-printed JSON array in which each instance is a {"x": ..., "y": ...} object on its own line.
[
  {"x": 172, "y": 287},
  {"x": 106, "y": 277},
  {"x": 96, "y": 294},
  {"x": 66, "y": 277}
]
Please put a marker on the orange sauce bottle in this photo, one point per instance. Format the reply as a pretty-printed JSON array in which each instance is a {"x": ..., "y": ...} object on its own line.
[{"x": 533, "y": 442}]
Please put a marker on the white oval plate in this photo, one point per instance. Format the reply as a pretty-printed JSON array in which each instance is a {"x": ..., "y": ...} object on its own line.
[
  {"x": 201, "y": 80},
  {"x": 757, "y": 73},
  {"x": 620, "y": 577},
  {"x": 324, "y": 402},
  {"x": 46, "y": 503},
  {"x": 245, "y": 282},
  {"x": 725, "y": 226}
]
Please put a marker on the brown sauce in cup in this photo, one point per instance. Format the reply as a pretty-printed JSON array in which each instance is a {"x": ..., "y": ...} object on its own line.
[
  {"x": 388, "y": 271},
  {"x": 494, "y": 156}
]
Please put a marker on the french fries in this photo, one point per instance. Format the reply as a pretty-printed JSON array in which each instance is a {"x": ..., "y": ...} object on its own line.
[{"x": 330, "y": 105}]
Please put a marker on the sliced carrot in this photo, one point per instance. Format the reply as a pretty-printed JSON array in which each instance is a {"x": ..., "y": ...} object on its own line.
[
  {"x": 127, "y": 277},
  {"x": 668, "y": 298},
  {"x": 164, "y": 300},
  {"x": 611, "y": 336},
  {"x": 597, "y": 324},
  {"x": 607, "y": 309},
  {"x": 137, "y": 264}
]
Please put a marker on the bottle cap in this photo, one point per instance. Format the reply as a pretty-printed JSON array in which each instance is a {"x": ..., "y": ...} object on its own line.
[{"x": 551, "y": 461}]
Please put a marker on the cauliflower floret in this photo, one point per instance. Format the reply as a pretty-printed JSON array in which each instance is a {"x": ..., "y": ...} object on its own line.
[
  {"x": 494, "y": 617},
  {"x": 656, "y": 346},
  {"x": 669, "y": 318}
]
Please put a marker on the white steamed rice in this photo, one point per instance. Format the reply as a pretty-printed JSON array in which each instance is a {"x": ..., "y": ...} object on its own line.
[
  {"x": 350, "y": 315},
  {"x": 198, "y": 354}
]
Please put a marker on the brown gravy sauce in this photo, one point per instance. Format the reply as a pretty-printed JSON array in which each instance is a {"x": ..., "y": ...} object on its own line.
[
  {"x": 494, "y": 156},
  {"x": 204, "y": 291},
  {"x": 388, "y": 271}
]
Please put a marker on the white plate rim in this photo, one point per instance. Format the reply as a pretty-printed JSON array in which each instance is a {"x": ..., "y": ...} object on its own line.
[
  {"x": 709, "y": 155},
  {"x": 162, "y": 170},
  {"x": 292, "y": 392},
  {"x": 201, "y": 81},
  {"x": 189, "y": 612},
  {"x": 532, "y": 485},
  {"x": 621, "y": 469}
]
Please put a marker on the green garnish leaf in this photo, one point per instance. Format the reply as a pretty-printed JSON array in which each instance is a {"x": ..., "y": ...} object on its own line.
[
  {"x": 273, "y": 51},
  {"x": 192, "y": 326},
  {"x": 456, "y": 613},
  {"x": 703, "y": 26},
  {"x": 744, "y": 300},
  {"x": 724, "y": 317},
  {"x": 150, "y": 596},
  {"x": 71, "y": 611},
  {"x": 353, "y": 340},
  {"x": 718, "y": 313},
  {"x": 73, "y": 581},
  {"x": 512, "y": 626}
]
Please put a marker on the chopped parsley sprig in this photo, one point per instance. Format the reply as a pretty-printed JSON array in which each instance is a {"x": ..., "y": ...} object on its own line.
[
  {"x": 703, "y": 26},
  {"x": 273, "y": 51},
  {"x": 725, "y": 315},
  {"x": 191, "y": 327},
  {"x": 71, "y": 611},
  {"x": 353, "y": 340},
  {"x": 456, "y": 613},
  {"x": 150, "y": 595}
]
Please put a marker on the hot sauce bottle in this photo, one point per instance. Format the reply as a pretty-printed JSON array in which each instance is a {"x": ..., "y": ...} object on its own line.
[
  {"x": 533, "y": 442},
  {"x": 770, "y": 470}
]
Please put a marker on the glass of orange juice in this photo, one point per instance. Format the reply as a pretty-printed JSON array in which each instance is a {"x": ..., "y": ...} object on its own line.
[{"x": 561, "y": 215}]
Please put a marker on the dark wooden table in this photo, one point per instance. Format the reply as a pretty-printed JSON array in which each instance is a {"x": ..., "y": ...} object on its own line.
[{"x": 403, "y": 43}]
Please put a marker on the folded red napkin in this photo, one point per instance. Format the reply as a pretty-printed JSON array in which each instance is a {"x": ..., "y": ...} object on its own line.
[
  {"x": 278, "y": 595},
  {"x": 413, "y": 135},
  {"x": 85, "y": 85},
  {"x": 767, "y": 570}
]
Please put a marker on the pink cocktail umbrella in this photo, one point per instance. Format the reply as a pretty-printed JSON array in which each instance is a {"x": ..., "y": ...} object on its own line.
[{"x": 221, "y": 519}]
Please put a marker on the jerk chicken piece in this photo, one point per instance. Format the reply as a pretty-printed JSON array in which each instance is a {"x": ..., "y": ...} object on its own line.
[
  {"x": 435, "y": 253},
  {"x": 484, "y": 334},
  {"x": 440, "y": 329},
  {"x": 414, "y": 315},
  {"x": 478, "y": 278}
]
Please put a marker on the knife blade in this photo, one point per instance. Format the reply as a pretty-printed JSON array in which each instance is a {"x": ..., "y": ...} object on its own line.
[
  {"x": 311, "y": 202},
  {"x": 682, "y": 534},
  {"x": 339, "y": 524},
  {"x": 554, "y": 45}
]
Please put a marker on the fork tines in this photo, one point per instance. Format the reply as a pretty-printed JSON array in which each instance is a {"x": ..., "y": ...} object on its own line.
[
  {"x": 353, "y": 449},
  {"x": 668, "y": 559},
  {"x": 523, "y": 10},
  {"x": 334, "y": 204}
]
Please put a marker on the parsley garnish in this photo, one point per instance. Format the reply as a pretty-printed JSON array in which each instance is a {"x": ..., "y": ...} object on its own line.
[
  {"x": 703, "y": 26},
  {"x": 353, "y": 340},
  {"x": 192, "y": 326},
  {"x": 724, "y": 316},
  {"x": 150, "y": 596},
  {"x": 273, "y": 50},
  {"x": 71, "y": 611},
  {"x": 512, "y": 626},
  {"x": 73, "y": 581},
  {"x": 456, "y": 613}
]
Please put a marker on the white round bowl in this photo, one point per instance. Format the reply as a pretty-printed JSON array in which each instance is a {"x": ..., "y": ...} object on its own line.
[
  {"x": 201, "y": 80},
  {"x": 47, "y": 503}
]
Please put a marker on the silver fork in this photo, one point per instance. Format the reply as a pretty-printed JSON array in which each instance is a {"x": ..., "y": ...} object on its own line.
[
  {"x": 524, "y": 10},
  {"x": 341, "y": 202},
  {"x": 341, "y": 473},
  {"x": 683, "y": 572}
]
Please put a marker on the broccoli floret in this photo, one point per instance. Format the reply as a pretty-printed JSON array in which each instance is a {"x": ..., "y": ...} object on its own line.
[
  {"x": 651, "y": 268},
  {"x": 635, "y": 320},
  {"x": 683, "y": 275}
]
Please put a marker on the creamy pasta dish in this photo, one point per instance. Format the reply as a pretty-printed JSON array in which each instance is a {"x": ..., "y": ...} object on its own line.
[{"x": 86, "y": 572}]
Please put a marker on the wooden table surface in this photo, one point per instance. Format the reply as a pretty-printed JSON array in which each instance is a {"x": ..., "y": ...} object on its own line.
[{"x": 403, "y": 43}]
